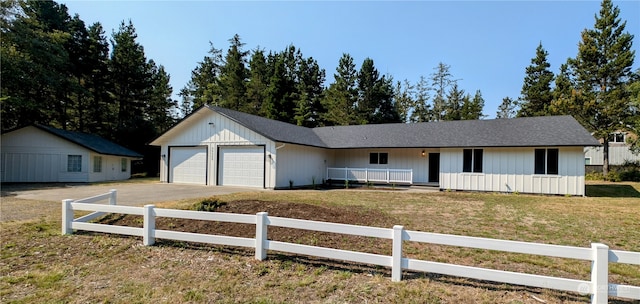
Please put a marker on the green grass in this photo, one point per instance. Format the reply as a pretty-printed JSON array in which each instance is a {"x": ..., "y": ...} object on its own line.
[{"x": 41, "y": 266}]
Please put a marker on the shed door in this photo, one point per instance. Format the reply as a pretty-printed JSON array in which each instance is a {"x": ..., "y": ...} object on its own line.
[
  {"x": 241, "y": 166},
  {"x": 188, "y": 165}
]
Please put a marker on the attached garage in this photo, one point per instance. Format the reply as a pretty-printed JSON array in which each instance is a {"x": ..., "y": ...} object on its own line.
[
  {"x": 241, "y": 166},
  {"x": 188, "y": 165}
]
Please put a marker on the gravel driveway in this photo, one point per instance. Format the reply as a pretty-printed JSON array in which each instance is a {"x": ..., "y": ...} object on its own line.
[{"x": 129, "y": 194}]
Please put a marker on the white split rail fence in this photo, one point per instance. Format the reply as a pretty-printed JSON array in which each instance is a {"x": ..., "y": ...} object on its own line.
[{"x": 599, "y": 254}]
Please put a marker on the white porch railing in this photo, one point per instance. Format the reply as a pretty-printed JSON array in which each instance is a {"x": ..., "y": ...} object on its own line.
[
  {"x": 600, "y": 255},
  {"x": 365, "y": 175}
]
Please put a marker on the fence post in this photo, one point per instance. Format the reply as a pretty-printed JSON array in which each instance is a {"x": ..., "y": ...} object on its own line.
[
  {"x": 396, "y": 258},
  {"x": 148, "y": 225},
  {"x": 67, "y": 216},
  {"x": 112, "y": 197},
  {"x": 387, "y": 175},
  {"x": 600, "y": 273},
  {"x": 261, "y": 235}
]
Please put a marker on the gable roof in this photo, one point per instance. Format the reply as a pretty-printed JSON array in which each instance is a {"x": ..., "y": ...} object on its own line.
[
  {"x": 516, "y": 132},
  {"x": 92, "y": 142}
]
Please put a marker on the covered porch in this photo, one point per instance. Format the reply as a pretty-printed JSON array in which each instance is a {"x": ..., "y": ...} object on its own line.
[{"x": 371, "y": 175}]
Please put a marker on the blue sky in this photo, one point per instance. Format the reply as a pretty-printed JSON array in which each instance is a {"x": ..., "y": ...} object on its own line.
[{"x": 488, "y": 44}]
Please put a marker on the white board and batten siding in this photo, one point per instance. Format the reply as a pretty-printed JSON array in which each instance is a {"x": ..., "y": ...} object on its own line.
[
  {"x": 301, "y": 165},
  {"x": 619, "y": 153},
  {"x": 405, "y": 158},
  {"x": 33, "y": 155},
  {"x": 218, "y": 135},
  {"x": 512, "y": 170}
]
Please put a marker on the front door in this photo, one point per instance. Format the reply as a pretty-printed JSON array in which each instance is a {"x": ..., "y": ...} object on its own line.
[{"x": 434, "y": 167}]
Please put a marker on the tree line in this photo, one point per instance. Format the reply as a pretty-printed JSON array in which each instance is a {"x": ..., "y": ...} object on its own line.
[
  {"x": 287, "y": 86},
  {"x": 58, "y": 71},
  {"x": 598, "y": 87}
]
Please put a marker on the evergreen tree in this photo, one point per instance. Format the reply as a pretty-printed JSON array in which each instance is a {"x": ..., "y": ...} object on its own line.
[
  {"x": 422, "y": 111},
  {"x": 161, "y": 109},
  {"x": 507, "y": 109},
  {"x": 367, "y": 103},
  {"x": 441, "y": 80},
  {"x": 453, "y": 104},
  {"x": 310, "y": 91},
  {"x": 129, "y": 74},
  {"x": 100, "y": 112},
  {"x": 258, "y": 82},
  {"x": 233, "y": 77},
  {"x": 404, "y": 98},
  {"x": 633, "y": 122},
  {"x": 603, "y": 70},
  {"x": 472, "y": 107},
  {"x": 35, "y": 63},
  {"x": 279, "y": 104},
  {"x": 203, "y": 87},
  {"x": 565, "y": 93},
  {"x": 536, "y": 90},
  {"x": 341, "y": 96}
]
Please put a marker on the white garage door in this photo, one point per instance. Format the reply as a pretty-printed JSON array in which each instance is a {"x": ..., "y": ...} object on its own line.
[
  {"x": 188, "y": 165},
  {"x": 241, "y": 166}
]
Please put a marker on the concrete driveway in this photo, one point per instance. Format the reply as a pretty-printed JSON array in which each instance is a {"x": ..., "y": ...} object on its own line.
[{"x": 129, "y": 194}]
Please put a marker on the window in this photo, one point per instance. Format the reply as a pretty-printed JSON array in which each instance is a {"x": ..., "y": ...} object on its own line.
[
  {"x": 123, "y": 164},
  {"x": 378, "y": 158},
  {"x": 616, "y": 138},
  {"x": 472, "y": 160},
  {"x": 587, "y": 160},
  {"x": 546, "y": 161},
  {"x": 97, "y": 164},
  {"x": 74, "y": 163}
]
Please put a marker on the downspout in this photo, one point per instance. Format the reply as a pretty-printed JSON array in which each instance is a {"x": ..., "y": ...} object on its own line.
[{"x": 278, "y": 148}]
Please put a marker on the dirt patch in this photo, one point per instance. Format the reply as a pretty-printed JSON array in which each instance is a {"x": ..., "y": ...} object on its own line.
[{"x": 334, "y": 214}]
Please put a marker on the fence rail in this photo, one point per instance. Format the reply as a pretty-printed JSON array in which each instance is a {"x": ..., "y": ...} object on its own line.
[
  {"x": 599, "y": 254},
  {"x": 366, "y": 175}
]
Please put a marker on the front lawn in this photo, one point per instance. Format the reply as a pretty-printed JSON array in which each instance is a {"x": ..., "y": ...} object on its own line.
[{"x": 40, "y": 265}]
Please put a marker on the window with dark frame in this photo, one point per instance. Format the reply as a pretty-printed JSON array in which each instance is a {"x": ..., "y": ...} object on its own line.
[
  {"x": 472, "y": 160},
  {"x": 74, "y": 163},
  {"x": 546, "y": 161},
  {"x": 617, "y": 138},
  {"x": 378, "y": 158},
  {"x": 97, "y": 164}
]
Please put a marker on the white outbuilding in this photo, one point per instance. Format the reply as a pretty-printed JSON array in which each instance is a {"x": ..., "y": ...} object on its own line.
[
  {"x": 218, "y": 146},
  {"x": 40, "y": 153}
]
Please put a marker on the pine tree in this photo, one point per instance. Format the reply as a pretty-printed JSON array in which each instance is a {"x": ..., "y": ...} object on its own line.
[
  {"x": 404, "y": 98},
  {"x": 130, "y": 77},
  {"x": 233, "y": 76},
  {"x": 453, "y": 104},
  {"x": 422, "y": 111},
  {"x": 204, "y": 85},
  {"x": 100, "y": 112},
  {"x": 536, "y": 90},
  {"x": 507, "y": 109},
  {"x": 35, "y": 61},
  {"x": 310, "y": 91},
  {"x": 472, "y": 107},
  {"x": 603, "y": 69},
  {"x": 258, "y": 82},
  {"x": 441, "y": 80},
  {"x": 341, "y": 96}
]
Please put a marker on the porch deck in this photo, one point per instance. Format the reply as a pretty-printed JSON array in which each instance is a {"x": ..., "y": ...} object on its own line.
[{"x": 367, "y": 175}]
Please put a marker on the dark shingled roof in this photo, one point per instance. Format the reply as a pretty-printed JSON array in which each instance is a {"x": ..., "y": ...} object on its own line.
[
  {"x": 516, "y": 132},
  {"x": 92, "y": 142},
  {"x": 273, "y": 129}
]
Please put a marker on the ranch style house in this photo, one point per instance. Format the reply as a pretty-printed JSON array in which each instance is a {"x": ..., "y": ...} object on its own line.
[{"x": 218, "y": 146}]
